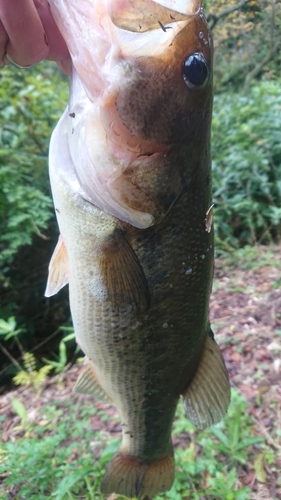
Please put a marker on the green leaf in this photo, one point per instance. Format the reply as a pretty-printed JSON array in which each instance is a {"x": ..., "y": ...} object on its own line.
[
  {"x": 69, "y": 481},
  {"x": 249, "y": 442},
  {"x": 71, "y": 336},
  {"x": 109, "y": 450},
  {"x": 221, "y": 437},
  {"x": 259, "y": 468},
  {"x": 19, "y": 409}
]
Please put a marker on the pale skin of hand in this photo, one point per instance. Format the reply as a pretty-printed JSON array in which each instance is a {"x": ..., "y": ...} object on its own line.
[{"x": 28, "y": 33}]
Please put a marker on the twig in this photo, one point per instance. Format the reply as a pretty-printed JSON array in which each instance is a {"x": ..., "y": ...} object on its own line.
[
  {"x": 13, "y": 360},
  {"x": 256, "y": 70},
  {"x": 31, "y": 350},
  {"x": 38, "y": 232},
  {"x": 266, "y": 233},
  {"x": 267, "y": 435},
  {"x": 213, "y": 18},
  {"x": 271, "y": 51}
]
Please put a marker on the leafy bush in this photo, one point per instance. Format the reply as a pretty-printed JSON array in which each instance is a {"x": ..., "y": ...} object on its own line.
[
  {"x": 31, "y": 102},
  {"x": 29, "y": 109},
  {"x": 246, "y": 147}
]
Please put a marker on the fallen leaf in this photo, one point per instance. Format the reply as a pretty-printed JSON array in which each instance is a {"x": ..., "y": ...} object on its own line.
[{"x": 274, "y": 346}]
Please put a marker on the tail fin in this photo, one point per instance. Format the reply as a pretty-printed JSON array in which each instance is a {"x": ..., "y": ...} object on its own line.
[{"x": 132, "y": 477}]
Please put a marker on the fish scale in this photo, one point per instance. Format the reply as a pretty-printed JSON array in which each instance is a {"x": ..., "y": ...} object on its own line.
[{"x": 130, "y": 177}]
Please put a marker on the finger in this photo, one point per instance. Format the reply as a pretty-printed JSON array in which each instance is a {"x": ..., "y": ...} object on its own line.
[
  {"x": 58, "y": 50},
  {"x": 27, "y": 43},
  {"x": 3, "y": 43}
]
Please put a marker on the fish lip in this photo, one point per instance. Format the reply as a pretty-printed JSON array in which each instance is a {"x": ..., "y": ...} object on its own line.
[{"x": 189, "y": 7}]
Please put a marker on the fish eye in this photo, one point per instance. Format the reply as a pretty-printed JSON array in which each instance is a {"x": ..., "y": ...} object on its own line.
[{"x": 195, "y": 70}]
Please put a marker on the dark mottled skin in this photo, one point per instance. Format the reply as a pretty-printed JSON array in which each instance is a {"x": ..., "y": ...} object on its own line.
[
  {"x": 173, "y": 330},
  {"x": 154, "y": 103},
  {"x": 158, "y": 106}
]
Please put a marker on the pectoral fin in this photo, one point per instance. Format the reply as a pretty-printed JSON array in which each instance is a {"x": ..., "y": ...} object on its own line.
[
  {"x": 58, "y": 269},
  {"x": 122, "y": 273},
  {"x": 88, "y": 384},
  {"x": 207, "y": 397}
]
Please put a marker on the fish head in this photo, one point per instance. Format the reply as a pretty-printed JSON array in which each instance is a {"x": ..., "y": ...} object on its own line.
[
  {"x": 141, "y": 98},
  {"x": 166, "y": 90},
  {"x": 165, "y": 99}
]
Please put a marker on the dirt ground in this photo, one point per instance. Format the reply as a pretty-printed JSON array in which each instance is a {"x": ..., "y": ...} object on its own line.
[
  {"x": 246, "y": 318},
  {"x": 246, "y": 315}
]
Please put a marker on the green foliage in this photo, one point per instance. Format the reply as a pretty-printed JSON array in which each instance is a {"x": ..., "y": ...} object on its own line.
[
  {"x": 8, "y": 328},
  {"x": 234, "y": 433},
  {"x": 25, "y": 426},
  {"x": 30, "y": 375},
  {"x": 55, "y": 460},
  {"x": 31, "y": 102},
  {"x": 20, "y": 410},
  {"x": 29, "y": 109},
  {"x": 247, "y": 42},
  {"x": 250, "y": 257},
  {"x": 246, "y": 146},
  {"x": 61, "y": 362}
]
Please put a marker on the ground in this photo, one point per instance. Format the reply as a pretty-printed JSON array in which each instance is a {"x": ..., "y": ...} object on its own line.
[
  {"x": 246, "y": 318},
  {"x": 246, "y": 315}
]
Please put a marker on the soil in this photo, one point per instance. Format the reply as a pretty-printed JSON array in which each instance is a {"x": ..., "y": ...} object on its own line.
[{"x": 246, "y": 318}]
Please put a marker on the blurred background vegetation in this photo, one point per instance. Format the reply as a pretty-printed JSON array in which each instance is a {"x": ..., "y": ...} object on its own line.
[{"x": 246, "y": 148}]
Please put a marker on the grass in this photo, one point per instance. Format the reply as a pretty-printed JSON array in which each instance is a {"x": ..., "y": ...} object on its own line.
[
  {"x": 60, "y": 457},
  {"x": 251, "y": 257}
]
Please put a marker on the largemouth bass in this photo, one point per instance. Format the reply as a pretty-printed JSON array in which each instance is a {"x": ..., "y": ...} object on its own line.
[{"x": 131, "y": 182}]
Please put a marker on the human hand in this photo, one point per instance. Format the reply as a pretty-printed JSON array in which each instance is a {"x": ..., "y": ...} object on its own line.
[{"x": 28, "y": 34}]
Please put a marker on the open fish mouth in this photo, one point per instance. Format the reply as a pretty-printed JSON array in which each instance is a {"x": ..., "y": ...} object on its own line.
[
  {"x": 150, "y": 15},
  {"x": 183, "y": 6}
]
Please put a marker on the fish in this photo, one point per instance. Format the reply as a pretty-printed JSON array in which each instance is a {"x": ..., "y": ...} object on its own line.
[{"x": 130, "y": 172}]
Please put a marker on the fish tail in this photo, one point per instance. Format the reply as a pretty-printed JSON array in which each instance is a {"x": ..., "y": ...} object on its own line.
[{"x": 133, "y": 477}]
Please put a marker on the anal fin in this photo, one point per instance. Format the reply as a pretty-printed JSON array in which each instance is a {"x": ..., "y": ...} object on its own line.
[
  {"x": 87, "y": 384},
  {"x": 207, "y": 397},
  {"x": 58, "y": 269}
]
